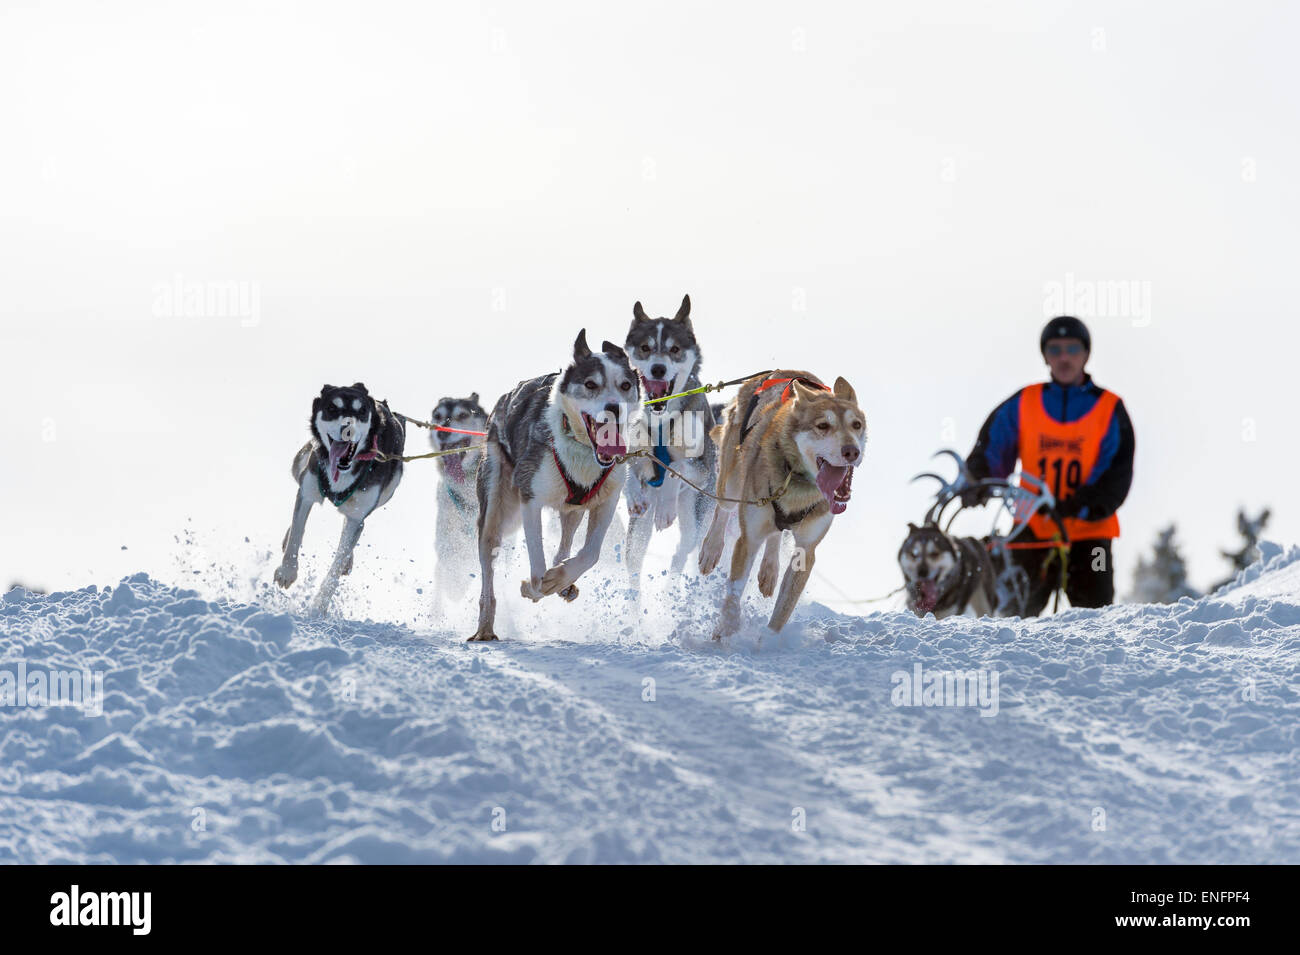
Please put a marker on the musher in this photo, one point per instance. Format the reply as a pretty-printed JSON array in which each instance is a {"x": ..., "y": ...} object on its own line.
[{"x": 1077, "y": 437}]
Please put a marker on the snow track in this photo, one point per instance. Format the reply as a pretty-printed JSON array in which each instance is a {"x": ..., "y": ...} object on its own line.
[{"x": 233, "y": 733}]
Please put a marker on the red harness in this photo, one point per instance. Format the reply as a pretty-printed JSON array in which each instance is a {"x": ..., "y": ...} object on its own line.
[
  {"x": 785, "y": 395},
  {"x": 789, "y": 383},
  {"x": 578, "y": 494}
]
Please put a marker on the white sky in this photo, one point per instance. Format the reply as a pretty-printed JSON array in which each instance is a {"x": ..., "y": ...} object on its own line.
[{"x": 433, "y": 198}]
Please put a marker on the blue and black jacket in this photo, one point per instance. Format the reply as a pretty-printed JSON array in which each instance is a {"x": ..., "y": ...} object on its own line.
[{"x": 998, "y": 446}]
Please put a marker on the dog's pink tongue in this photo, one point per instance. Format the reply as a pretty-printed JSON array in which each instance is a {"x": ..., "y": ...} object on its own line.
[
  {"x": 928, "y": 592},
  {"x": 455, "y": 468},
  {"x": 829, "y": 479},
  {"x": 600, "y": 435},
  {"x": 337, "y": 450},
  {"x": 612, "y": 450}
]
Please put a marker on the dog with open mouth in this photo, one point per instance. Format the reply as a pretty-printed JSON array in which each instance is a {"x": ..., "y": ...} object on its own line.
[
  {"x": 558, "y": 442},
  {"x": 664, "y": 351},
  {"x": 784, "y": 429},
  {"x": 946, "y": 575},
  {"x": 345, "y": 463},
  {"x": 456, "y": 530}
]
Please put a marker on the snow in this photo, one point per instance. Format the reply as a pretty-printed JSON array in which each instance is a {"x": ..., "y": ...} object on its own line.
[{"x": 237, "y": 731}]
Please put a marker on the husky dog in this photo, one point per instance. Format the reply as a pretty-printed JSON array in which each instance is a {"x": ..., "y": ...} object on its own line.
[
  {"x": 947, "y": 575},
  {"x": 785, "y": 429},
  {"x": 555, "y": 441},
  {"x": 350, "y": 432},
  {"x": 456, "y": 529},
  {"x": 665, "y": 353}
]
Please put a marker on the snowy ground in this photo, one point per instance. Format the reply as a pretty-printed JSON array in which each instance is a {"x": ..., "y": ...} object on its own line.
[{"x": 242, "y": 732}]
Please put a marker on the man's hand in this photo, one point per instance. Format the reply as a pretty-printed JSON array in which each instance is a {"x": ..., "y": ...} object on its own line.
[
  {"x": 974, "y": 496},
  {"x": 1070, "y": 507}
]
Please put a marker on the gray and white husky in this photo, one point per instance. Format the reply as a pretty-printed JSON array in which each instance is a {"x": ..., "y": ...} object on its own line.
[
  {"x": 341, "y": 464},
  {"x": 946, "y": 575},
  {"x": 457, "y": 528},
  {"x": 556, "y": 442},
  {"x": 665, "y": 353}
]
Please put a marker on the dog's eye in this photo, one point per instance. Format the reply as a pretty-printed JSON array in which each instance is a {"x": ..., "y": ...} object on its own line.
[
  {"x": 674, "y": 350},
  {"x": 626, "y": 386},
  {"x": 645, "y": 347},
  {"x": 857, "y": 426},
  {"x": 462, "y": 416},
  {"x": 591, "y": 386},
  {"x": 823, "y": 426}
]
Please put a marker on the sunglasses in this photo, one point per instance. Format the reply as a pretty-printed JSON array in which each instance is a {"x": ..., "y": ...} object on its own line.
[{"x": 1070, "y": 348}]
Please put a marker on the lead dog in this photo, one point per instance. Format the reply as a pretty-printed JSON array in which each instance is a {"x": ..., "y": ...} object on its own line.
[
  {"x": 341, "y": 463},
  {"x": 457, "y": 526},
  {"x": 784, "y": 429},
  {"x": 665, "y": 353},
  {"x": 947, "y": 575},
  {"x": 555, "y": 441}
]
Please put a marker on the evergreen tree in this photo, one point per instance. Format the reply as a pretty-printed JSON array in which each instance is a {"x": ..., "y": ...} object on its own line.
[
  {"x": 1250, "y": 530},
  {"x": 1163, "y": 578}
]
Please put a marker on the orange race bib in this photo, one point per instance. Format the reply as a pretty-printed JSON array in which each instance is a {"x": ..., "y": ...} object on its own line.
[{"x": 1063, "y": 455}]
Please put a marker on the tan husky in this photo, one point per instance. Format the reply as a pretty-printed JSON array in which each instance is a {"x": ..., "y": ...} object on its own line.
[{"x": 783, "y": 429}]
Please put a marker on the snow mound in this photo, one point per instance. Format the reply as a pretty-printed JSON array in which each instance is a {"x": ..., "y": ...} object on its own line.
[{"x": 227, "y": 732}]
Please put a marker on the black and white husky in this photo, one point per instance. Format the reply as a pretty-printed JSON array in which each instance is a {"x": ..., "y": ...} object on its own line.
[
  {"x": 946, "y": 575},
  {"x": 457, "y": 527},
  {"x": 665, "y": 353},
  {"x": 555, "y": 441},
  {"x": 350, "y": 432}
]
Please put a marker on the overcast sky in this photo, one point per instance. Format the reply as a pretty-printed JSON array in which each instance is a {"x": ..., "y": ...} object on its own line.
[{"x": 434, "y": 198}]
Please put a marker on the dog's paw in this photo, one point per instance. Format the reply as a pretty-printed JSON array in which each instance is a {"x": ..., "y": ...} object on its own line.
[
  {"x": 483, "y": 636},
  {"x": 638, "y": 502},
  {"x": 347, "y": 568},
  {"x": 768, "y": 573},
  {"x": 665, "y": 514},
  {"x": 286, "y": 574},
  {"x": 710, "y": 554},
  {"x": 528, "y": 588},
  {"x": 557, "y": 578},
  {"x": 570, "y": 593},
  {"x": 317, "y": 608}
]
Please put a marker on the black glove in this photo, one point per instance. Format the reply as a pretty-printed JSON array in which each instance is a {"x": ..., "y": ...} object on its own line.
[
  {"x": 975, "y": 495},
  {"x": 1070, "y": 507}
]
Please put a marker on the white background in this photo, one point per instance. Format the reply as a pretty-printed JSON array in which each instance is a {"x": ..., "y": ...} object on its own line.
[{"x": 434, "y": 198}]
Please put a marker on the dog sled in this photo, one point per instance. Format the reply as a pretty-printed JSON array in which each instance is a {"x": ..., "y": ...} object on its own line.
[{"x": 1020, "y": 496}]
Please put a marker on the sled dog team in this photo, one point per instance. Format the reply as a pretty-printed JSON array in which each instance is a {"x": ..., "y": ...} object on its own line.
[{"x": 780, "y": 455}]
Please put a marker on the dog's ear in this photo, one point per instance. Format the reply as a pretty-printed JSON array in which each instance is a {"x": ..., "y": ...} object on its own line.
[
  {"x": 580, "y": 349},
  {"x": 473, "y": 397},
  {"x": 613, "y": 351},
  {"x": 360, "y": 387},
  {"x": 912, "y": 528},
  {"x": 802, "y": 392},
  {"x": 325, "y": 390},
  {"x": 844, "y": 390},
  {"x": 684, "y": 313},
  {"x": 639, "y": 312}
]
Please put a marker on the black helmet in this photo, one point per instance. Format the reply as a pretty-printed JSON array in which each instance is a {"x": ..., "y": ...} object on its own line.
[{"x": 1064, "y": 326}]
